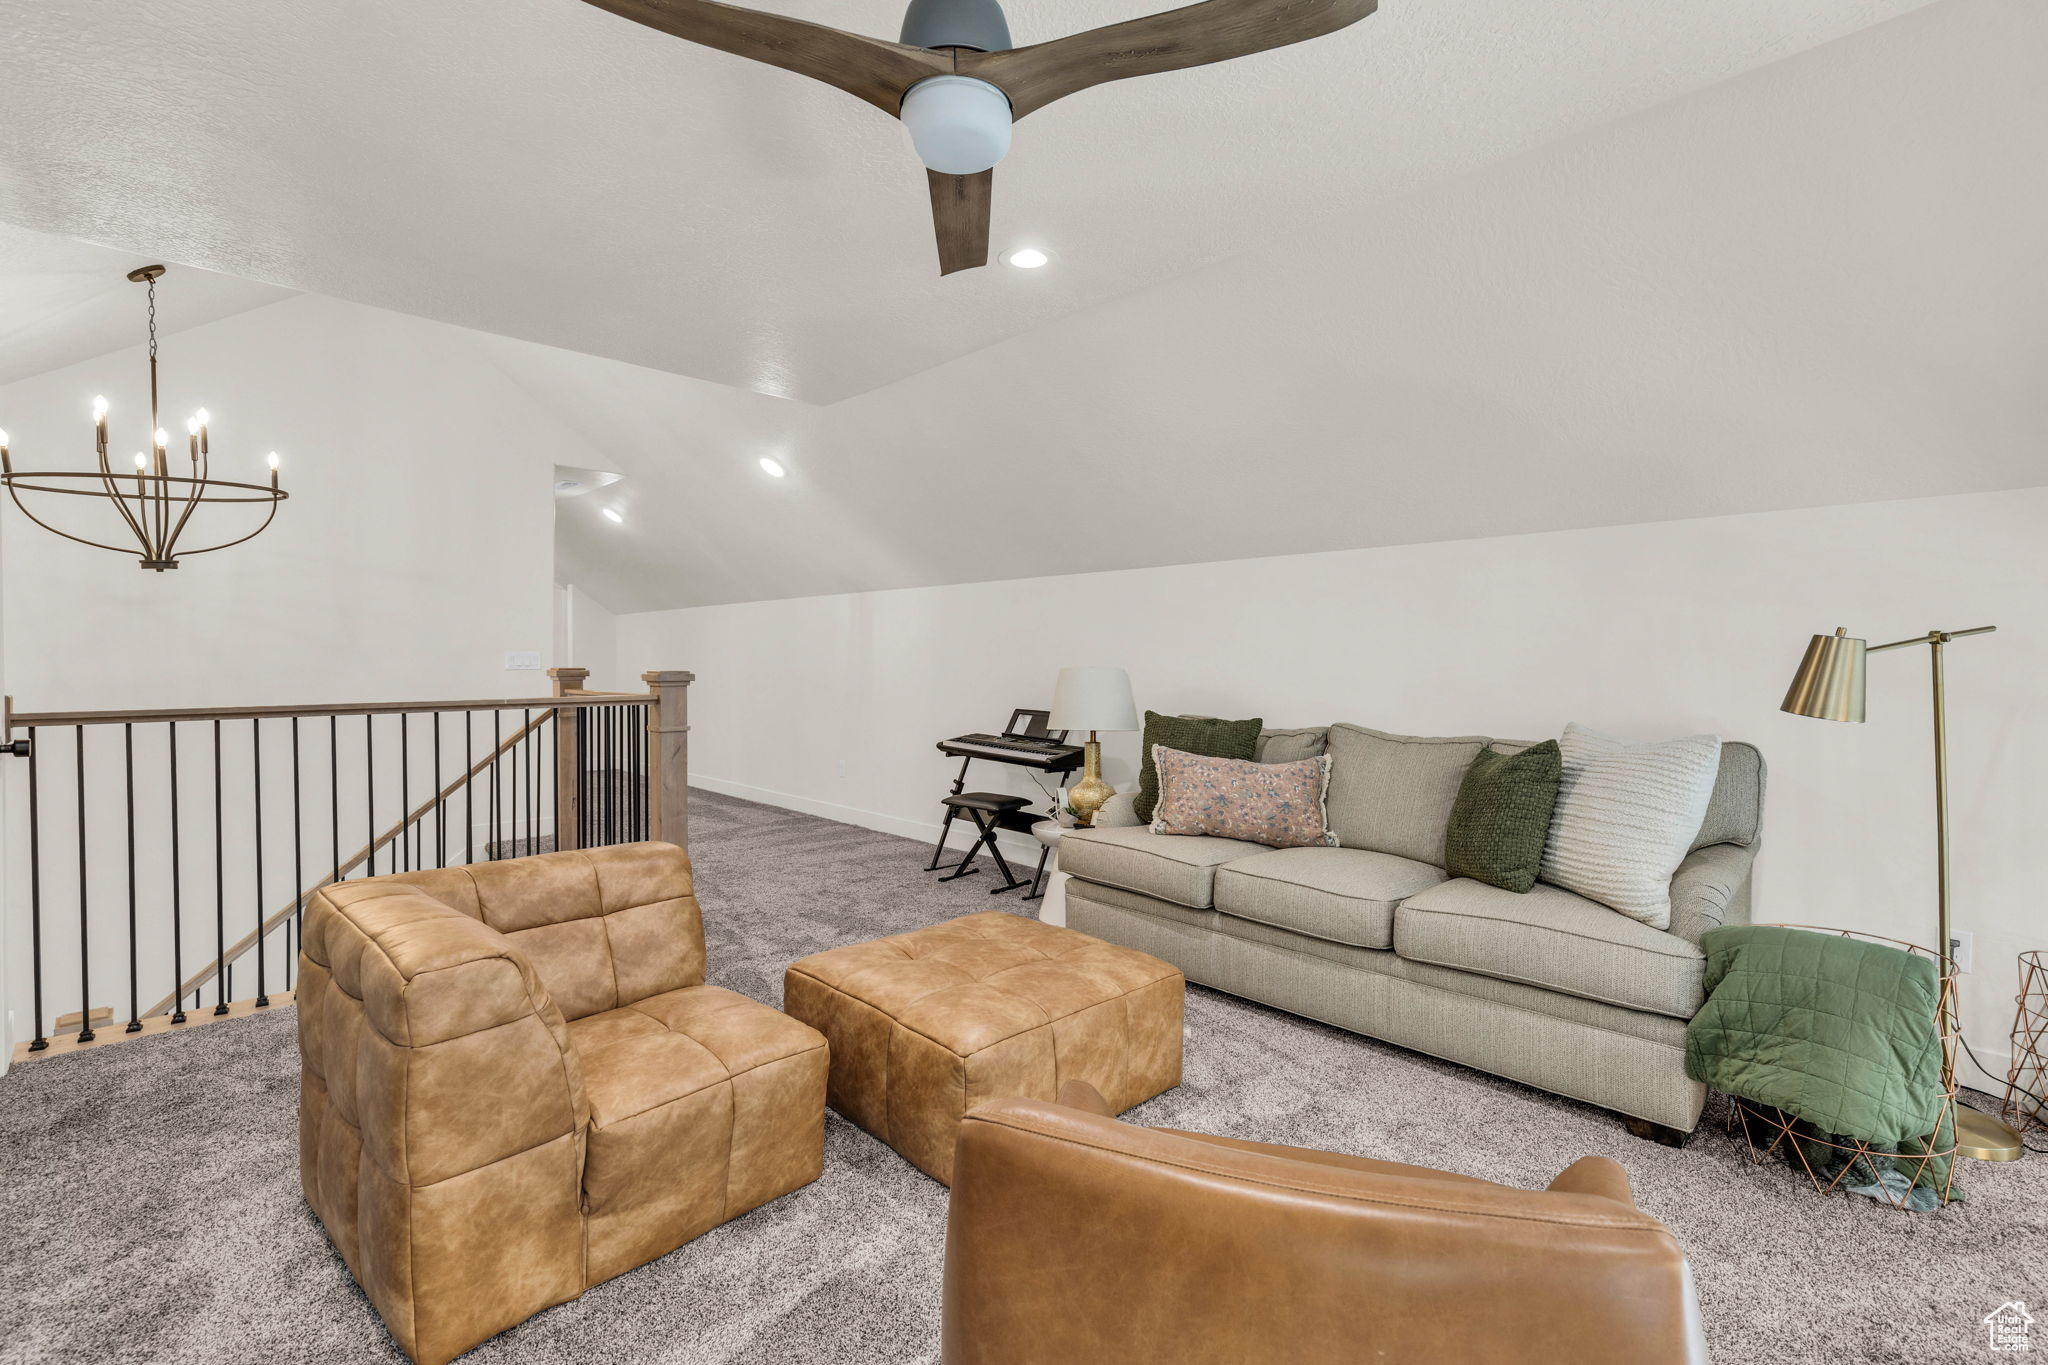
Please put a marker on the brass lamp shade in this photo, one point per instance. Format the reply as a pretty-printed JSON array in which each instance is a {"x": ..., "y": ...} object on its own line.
[{"x": 1829, "y": 683}]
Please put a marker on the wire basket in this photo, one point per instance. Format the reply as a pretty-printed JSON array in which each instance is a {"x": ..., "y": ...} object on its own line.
[
  {"x": 1772, "y": 1132},
  {"x": 2026, "y": 1080}
]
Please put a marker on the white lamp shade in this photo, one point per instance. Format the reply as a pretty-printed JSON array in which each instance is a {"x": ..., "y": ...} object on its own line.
[
  {"x": 1093, "y": 699},
  {"x": 959, "y": 125}
]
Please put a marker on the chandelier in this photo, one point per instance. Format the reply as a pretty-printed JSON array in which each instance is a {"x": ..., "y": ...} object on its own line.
[{"x": 154, "y": 504}]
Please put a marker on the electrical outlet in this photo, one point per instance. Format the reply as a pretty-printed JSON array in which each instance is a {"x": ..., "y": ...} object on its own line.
[
  {"x": 1959, "y": 949},
  {"x": 522, "y": 660},
  {"x": 842, "y": 767}
]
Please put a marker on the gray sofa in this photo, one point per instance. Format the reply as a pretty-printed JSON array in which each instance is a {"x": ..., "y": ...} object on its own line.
[{"x": 1546, "y": 988}]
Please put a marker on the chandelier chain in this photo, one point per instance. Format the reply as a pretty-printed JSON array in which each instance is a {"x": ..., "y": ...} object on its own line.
[{"x": 152, "y": 319}]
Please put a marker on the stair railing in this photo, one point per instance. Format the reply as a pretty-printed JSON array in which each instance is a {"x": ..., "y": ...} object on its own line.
[{"x": 154, "y": 838}]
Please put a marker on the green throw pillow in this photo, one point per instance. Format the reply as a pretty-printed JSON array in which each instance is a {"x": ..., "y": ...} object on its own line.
[
  {"x": 1191, "y": 735},
  {"x": 1502, "y": 816}
]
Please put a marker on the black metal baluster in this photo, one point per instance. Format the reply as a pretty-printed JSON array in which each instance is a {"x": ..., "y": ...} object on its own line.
[
  {"x": 440, "y": 805},
  {"x": 582, "y": 777},
  {"x": 128, "y": 768},
  {"x": 35, "y": 891},
  {"x": 256, "y": 769},
  {"x": 532, "y": 759},
  {"x": 640, "y": 822},
  {"x": 514, "y": 797},
  {"x": 497, "y": 743},
  {"x": 177, "y": 891},
  {"x": 404, "y": 792},
  {"x": 334, "y": 791},
  {"x": 298, "y": 924},
  {"x": 554, "y": 728},
  {"x": 370, "y": 793},
  {"x": 220, "y": 891},
  {"x": 85, "y": 1033},
  {"x": 469, "y": 786}
]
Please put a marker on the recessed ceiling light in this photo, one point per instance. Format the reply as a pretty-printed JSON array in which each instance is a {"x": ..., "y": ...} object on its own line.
[
  {"x": 1027, "y": 258},
  {"x": 772, "y": 467},
  {"x": 612, "y": 514}
]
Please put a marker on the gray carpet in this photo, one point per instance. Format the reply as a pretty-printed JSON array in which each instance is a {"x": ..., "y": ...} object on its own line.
[{"x": 150, "y": 1211}]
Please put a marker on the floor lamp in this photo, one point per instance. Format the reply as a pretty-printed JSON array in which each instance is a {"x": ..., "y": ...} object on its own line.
[{"x": 1829, "y": 686}]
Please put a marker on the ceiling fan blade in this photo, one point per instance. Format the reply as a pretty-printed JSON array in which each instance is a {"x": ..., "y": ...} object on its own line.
[
  {"x": 1195, "y": 35},
  {"x": 960, "y": 216},
  {"x": 876, "y": 71}
]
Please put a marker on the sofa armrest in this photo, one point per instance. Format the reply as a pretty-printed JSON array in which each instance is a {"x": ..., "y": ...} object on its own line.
[
  {"x": 429, "y": 1050},
  {"x": 1119, "y": 812},
  {"x": 1319, "y": 1257},
  {"x": 1710, "y": 889}
]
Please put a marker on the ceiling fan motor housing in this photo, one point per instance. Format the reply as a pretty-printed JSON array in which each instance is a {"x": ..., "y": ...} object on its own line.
[{"x": 975, "y": 24}]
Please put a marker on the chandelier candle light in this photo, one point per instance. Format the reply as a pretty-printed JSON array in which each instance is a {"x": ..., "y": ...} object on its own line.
[{"x": 153, "y": 503}]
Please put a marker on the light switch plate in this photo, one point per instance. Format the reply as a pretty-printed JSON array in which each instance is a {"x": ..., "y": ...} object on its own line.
[
  {"x": 1960, "y": 946},
  {"x": 522, "y": 660}
]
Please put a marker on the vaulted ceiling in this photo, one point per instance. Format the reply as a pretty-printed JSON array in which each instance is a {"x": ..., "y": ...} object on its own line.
[
  {"x": 1473, "y": 267},
  {"x": 545, "y": 170}
]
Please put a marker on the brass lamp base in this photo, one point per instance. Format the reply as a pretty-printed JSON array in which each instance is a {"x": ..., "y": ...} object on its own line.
[
  {"x": 1089, "y": 794},
  {"x": 1983, "y": 1138}
]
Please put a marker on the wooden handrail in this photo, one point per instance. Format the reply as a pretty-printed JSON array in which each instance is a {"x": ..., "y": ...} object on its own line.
[
  {"x": 20, "y": 719},
  {"x": 362, "y": 855}
]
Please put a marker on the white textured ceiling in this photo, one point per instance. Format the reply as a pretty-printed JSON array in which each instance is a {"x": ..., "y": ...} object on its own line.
[
  {"x": 544, "y": 170},
  {"x": 1821, "y": 282},
  {"x": 63, "y": 301}
]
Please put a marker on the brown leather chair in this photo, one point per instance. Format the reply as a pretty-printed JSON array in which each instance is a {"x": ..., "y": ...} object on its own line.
[
  {"x": 1075, "y": 1238},
  {"x": 514, "y": 1085}
]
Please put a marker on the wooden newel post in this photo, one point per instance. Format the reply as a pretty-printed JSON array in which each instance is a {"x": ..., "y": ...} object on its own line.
[
  {"x": 668, "y": 756},
  {"x": 568, "y": 761}
]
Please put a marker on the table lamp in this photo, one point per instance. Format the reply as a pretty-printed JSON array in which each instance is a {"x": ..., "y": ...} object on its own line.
[
  {"x": 1092, "y": 699},
  {"x": 1830, "y": 686}
]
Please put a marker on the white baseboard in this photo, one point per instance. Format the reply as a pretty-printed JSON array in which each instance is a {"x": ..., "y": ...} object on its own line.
[
  {"x": 1991, "y": 1081},
  {"x": 1014, "y": 846}
]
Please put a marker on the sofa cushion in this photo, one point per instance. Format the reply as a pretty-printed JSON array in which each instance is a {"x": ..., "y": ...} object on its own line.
[
  {"x": 1393, "y": 793},
  {"x": 1203, "y": 735},
  {"x": 703, "y": 1104},
  {"x": 1288, "y": 746},
  {"x": 1553, "y": 939},
  {"x": 1626, "y": 816},
  {"x": 1173, "y": 867},
  {"x": 1502, "y": 816},
  {"x": 1345, "y": 895},
  {"x": 1276, "y": 804}
]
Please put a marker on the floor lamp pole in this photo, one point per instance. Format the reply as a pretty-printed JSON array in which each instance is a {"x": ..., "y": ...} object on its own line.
[
  {"x": 1941, "y": 815},
  {"x": 1978, "y": 1134}
]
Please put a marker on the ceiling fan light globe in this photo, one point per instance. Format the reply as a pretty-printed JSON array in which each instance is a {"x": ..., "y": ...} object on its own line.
[{"x": 959, "y": 125}]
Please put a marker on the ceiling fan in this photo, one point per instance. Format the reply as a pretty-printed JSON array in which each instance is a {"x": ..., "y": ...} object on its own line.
[{"x": 958, "y": 84}]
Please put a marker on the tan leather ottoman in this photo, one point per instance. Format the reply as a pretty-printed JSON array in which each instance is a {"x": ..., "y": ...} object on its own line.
[{"x": 926, "y": 1025}]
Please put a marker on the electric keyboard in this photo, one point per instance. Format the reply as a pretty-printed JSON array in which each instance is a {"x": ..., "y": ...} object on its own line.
[{"x": 1042, "y": 754}]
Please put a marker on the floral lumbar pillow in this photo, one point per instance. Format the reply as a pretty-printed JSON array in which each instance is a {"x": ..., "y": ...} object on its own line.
[{"x": 1279, "y": 804}]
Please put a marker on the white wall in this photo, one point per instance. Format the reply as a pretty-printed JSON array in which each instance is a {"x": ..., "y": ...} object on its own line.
[
  {"x": 413, "y": 553},
  {"x": 586, "y": 636},
  {"x": 1648, "y": 631}
]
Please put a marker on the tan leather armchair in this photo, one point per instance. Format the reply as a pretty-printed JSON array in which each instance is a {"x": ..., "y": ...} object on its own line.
[
  {"x": 514, "y": 1085},
  {"x": 1073, "y": 1237}
]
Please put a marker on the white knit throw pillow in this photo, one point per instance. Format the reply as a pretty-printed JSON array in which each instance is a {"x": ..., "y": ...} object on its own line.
[{"x": 1626, "y": 816}]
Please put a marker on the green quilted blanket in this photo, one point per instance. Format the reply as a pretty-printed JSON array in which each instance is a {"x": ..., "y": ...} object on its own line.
[{"x": 1838, "y": 1032}]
